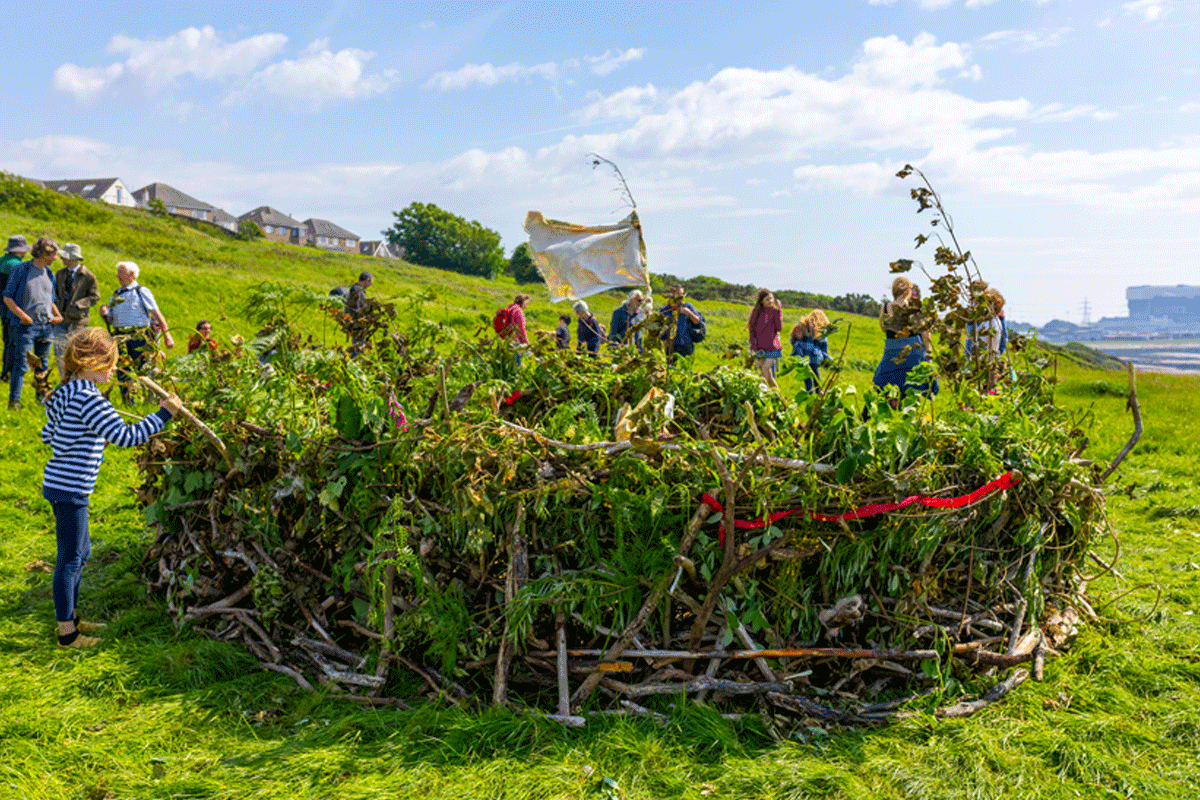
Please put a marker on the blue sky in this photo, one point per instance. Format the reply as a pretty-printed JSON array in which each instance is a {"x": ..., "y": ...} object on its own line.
[{"x": 759, "y": 140}]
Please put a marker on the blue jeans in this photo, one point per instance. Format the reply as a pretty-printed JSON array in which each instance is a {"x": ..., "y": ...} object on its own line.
[
  {"x": 36, "y": 338},
  {"x": 74, "y": 549}
]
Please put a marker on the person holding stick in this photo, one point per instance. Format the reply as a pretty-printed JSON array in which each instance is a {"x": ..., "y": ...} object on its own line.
[
  {"x": 80, "y": 422},
  {"x": 133, "y": 312}
]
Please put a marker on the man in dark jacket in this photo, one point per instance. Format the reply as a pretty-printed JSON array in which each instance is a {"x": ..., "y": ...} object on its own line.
[
  {"x": 75, "y": 292},
  {"x": 622, "y": 319},
  {"x": 13, "y": 255}
]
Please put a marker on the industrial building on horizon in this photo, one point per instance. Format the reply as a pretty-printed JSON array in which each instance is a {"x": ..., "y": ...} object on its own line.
[{"x": 1155, "y": 312}]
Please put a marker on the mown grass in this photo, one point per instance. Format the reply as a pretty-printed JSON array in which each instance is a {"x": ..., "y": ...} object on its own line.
[{"x": 160, "y": 714}]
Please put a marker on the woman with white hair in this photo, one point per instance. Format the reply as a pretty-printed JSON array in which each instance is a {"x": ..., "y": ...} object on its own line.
[
  {"x": 589, "y": 332},
  {"x": 133, "y": 312},
  {"x": 623, "y": 317}
]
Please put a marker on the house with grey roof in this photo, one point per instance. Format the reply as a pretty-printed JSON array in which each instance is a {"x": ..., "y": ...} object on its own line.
[
  {"x": 109, "y": 190},
  {"x": 324, "y": 234},
  {"x": 178, "y": 204},
  {"x": 380, "y": 249},
  {"x": 224, "y": 219},
  {"x": 276, "y": 226}
]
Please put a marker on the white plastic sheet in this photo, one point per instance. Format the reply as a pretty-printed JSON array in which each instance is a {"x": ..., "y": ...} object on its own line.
[{"x": 577, "y": 261}]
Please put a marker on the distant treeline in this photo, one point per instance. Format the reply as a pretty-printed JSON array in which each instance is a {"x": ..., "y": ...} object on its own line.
[{"x": 703, "y": 287}]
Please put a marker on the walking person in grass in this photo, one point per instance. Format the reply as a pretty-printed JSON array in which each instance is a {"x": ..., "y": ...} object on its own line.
[
  {"x": 766, "y": 321},
  {"x": 80, "y": 422}
]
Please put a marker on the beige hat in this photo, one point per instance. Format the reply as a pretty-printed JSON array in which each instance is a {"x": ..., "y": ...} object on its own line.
[{"x": 71, "y": 252}]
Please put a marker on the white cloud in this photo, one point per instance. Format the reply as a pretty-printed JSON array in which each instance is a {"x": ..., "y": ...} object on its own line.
[
  {"x": 154, "y": 64},
  {"x": 317, "y": 77},
  {"x": 1150, "y": 10},
  {"x": 888, "y": 59},
  {"x": 890, "y": 98},
  {"x": 629, "y": 103},
  {"x": 1190, "y": 108},
  {"x": 488, "y": 75},
  {"x": 973, "y": 4},
  {"x": 613, "y": 60},
  {"x": 864, "y": 178},
  {"x": 1026, "y": 40}
]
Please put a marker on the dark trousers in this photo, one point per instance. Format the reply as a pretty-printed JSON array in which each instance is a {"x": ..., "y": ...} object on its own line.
[
  {"x": 135, "y": 349},
  {"x": 33, "y": 338},
  {"x": 10, "y": 345},
  {"x": 74, "y": 549}
]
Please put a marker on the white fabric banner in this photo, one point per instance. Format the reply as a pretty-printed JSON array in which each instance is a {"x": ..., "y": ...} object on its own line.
[{"x": 581, "y": 260}]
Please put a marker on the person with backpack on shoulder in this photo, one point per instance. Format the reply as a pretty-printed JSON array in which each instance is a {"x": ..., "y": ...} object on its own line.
[
  {"x": 509, "y": 322},
  {"x": 133, "y": 312},
  {"x": 766, "y": 321},
  {"x": 689, "y": 325}
]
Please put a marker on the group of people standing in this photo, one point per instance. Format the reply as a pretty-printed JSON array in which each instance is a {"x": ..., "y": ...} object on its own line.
[
  {"x": 622, "y": 330},
  {"x": 808, "y": 339},
  {"x": 44, "y": 309}
]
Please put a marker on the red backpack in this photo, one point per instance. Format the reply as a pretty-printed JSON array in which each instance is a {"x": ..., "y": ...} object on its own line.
[{"x": 503, "y": 320}]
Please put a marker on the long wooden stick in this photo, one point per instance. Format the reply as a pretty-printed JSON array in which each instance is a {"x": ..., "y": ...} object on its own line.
[
  {"x": 1132, "y": 405},
  {"x": 589, "y": 684},
  {"x": 190, "y": 417}
]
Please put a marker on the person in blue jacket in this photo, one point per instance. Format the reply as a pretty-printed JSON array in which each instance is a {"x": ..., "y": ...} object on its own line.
[
  {"x": 588, "y": 333},
  {"x": 680, "y": 313},
  {"x": 808, "y": 341},
  {"x": 623, "y": 319}
]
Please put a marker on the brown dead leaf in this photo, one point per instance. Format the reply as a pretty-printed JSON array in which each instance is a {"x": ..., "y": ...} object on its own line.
[{"x": 38, "y": 566}]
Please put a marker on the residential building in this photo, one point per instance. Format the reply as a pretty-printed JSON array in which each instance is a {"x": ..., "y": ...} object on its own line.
[
  {"x": 380, "y": 249},
  {"x": 178, "y": 204},
  {"x": 226, "y": 220},
  {"x": 327, "y": 236},
  {"x": 110, "y": 190},
  {"x": 276, "y": 226}
]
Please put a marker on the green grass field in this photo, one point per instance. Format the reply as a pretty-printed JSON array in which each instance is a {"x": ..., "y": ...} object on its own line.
[{"x": 157, "y": 713}]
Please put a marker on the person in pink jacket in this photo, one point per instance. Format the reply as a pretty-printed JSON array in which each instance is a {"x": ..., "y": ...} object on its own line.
[{"x": 766, "y": 321}]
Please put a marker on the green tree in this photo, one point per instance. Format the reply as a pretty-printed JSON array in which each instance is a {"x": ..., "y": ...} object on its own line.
[
  {"x": 249, "y": 230},
  {"x": 521, "y": 266},
  {"x": 435, "y": 238}
]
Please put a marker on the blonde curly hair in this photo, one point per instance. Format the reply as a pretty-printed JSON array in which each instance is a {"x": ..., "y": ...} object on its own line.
[{"x": 90, "y": 350}]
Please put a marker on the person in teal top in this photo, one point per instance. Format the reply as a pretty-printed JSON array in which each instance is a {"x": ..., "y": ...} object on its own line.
[{"x": 13, "y": 255}]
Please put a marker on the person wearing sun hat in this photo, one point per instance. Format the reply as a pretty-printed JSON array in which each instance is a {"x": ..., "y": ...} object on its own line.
[
  {"x": 75, "y": 292},
  {"x": 13, "y": 255}
]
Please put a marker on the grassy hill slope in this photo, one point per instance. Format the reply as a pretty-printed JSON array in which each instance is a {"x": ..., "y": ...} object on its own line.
[{"x": 158, "y": 713}]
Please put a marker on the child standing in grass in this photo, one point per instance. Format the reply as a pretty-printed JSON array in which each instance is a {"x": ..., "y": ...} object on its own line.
[
  {"x": 808, "y": 340},
  {"x": 80, "y": 422}
]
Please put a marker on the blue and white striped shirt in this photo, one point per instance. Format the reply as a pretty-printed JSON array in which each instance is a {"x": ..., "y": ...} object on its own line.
[{"x": 80, "y": 422}]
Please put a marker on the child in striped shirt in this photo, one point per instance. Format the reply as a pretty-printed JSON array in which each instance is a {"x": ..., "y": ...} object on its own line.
[{"x": 80, "y": 423}]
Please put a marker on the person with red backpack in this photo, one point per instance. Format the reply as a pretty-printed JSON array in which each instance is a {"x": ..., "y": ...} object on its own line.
[{"x": 509, "y": 321}]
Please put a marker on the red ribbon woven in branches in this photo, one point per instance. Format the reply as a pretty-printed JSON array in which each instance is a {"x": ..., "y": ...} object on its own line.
[{"x": 1005, "y": 481}]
